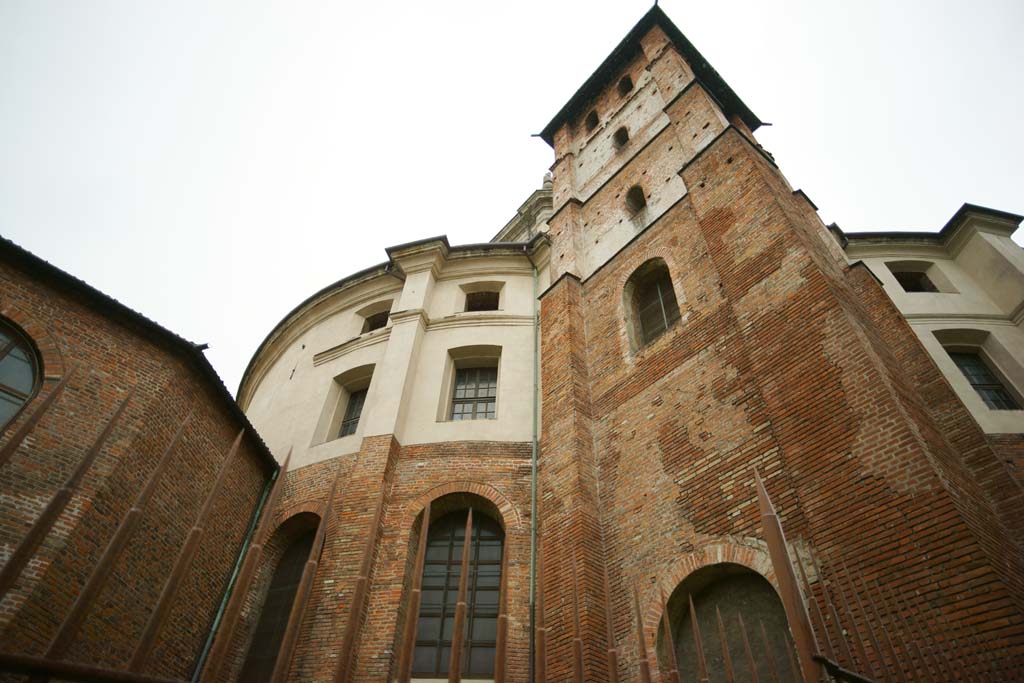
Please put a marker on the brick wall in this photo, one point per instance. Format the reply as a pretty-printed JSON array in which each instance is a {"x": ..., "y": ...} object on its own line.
[{"x": 110, "y": 358}]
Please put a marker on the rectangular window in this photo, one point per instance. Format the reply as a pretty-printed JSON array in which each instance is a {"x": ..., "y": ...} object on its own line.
[
  {"x": 482, "y": 301},
  {"x": 915, "y": 282},
  {"x": 984, "y": 381},
  {"x": 352, "y": 412},
  {"x": 475, "y": 395}
]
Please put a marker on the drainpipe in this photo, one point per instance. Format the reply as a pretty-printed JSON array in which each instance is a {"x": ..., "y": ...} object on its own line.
[
  {"x": 533, "y": 467},
  {"x": 234, "y": 575}
]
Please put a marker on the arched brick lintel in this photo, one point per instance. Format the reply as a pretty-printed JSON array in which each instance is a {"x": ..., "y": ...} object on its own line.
[
  {"x": 509, "y": 513},
  {"x": 706, "y": 554},
  {"x": 49, "y": 352}
]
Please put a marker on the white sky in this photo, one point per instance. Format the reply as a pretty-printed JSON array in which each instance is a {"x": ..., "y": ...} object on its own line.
[{"x": 212, "y": 164}]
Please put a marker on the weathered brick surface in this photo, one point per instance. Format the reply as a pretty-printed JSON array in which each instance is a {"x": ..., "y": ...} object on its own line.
[{"x": 112, "y": 356}]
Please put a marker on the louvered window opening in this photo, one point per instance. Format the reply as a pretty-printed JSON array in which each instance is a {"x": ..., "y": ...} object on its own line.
[
  {"x": 353, "y": 411},
  {"x": 266, "y": 641},
  {"x": 440, "y": 595},
  {"x": 18, "y": 373},
  {"x": 984, "y": 381},
  {"x": 475, "y": 396}
]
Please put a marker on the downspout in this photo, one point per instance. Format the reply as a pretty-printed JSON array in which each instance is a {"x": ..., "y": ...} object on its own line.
[
  {"x": 234, "y": 575},
  {"x": 533, "y": 469}
]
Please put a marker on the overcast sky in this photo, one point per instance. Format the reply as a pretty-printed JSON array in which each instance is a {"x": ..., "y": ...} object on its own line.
[{"x": 212, "y": 164}]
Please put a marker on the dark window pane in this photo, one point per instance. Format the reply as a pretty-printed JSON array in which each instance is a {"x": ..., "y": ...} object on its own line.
[
  {"x": 424, "y": 658},
  {"x": 19, "y": 372},
  {"x": 989, "y": 387},
  {"x": 474, "y": 394},
  {"x": 9, "y": 406},
  {"x": 482, "y": 301},
  {"x": 353, "y": 411},
  {"x": 484, "y": 628},
  {"x": 375, "y": 321},
  {"x": 655, "y": 302},
  {"x": 481, "y": 661},
  {"x": 915, "y": 282}
]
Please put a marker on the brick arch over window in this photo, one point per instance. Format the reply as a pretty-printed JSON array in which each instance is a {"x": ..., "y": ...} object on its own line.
[
  {"x": 510, "y": 516},
  {"x": 30, "y": 357},
  {"x": 46, "y": 347}
]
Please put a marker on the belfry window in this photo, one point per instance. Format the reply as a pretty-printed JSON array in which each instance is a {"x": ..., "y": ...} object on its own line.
[
  {"x": 984, "y": 381},
  {"x": 591, "y": 121},
  {"x": 621, "y": 137},
  {"x": 266, "y": 640},
  {"x": 441, "y": 573},
  {"x": 625, "y": 85},
  {"x": 635, "y": 200},
  {"x": 651, "y": 302},
  {"x": 19, "y": 372}
]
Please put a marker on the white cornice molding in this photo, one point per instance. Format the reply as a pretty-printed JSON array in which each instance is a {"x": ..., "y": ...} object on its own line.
[
  {"x": 955, "y": 318},
  {"x": 479, "y": 319},
  {"x": 353, "y": 344}
]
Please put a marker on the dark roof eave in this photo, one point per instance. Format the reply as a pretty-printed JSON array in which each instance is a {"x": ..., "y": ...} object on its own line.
[
  {"x": 46, "y": 271},
  {"x": 703, "y": 71}
]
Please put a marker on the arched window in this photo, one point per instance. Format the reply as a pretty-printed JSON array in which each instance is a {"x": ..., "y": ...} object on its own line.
[
  {"x": 621, "y": 137},
  {"x": 738, "y": 593},
  {"x": 19, "y": 372},
  {"x": 591, "y": 121},
  {"x": 441, "y": 571},
  {"x": 266, "y": 640},
  {"x": 635, "y": 200},
  {"x": 625, "y": 85},
  {"x": 651, "y": 302}
]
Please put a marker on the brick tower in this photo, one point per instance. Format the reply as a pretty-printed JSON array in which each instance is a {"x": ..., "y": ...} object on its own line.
[{"x": 701, "y": 323}]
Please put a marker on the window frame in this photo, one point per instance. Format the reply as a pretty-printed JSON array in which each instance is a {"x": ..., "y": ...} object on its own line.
[
  {"x": 652, "y": 274},
  {"x": 355, "y": 403},
  {"x": 996, "y": 379},
  {"x": 476, "y": 371},
  {"x": 18, "y": 341}
]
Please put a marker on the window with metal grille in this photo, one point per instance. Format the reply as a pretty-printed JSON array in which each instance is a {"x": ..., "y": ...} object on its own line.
[
  {"x": 482, "y": 301},
  {"x": 441, "y": 569},
  {"x": 266, "y": 641},
  {"x": 19, "y": 372},
  {"x": 656, "y": 307},
  {"x": 984, "y": 381},
  {"x": 376, "y": 321},
  {"x": 353, "y": 410},
  {"x": 475, "y": 395}
]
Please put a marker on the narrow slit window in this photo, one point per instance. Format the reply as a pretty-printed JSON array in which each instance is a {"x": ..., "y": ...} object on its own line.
[
  {"x": 353, "y": 411},
  {"x": 635, "y": 200},
  {"x": 475, "y": 395},
  {"x": 591, "y": 121},
  {"x": 980, "y": 375},
  {"x": 482, "y": 301}
]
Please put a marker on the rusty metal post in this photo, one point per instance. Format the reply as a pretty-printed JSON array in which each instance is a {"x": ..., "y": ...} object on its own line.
[
  {"x": 577, "y": 638},
  {"x": 641, "y": 639},
  {"x": 101, "y": 572},
  {"x": 730, "y": 677},
  {"x": 698, "y": 646},
  {"x": 612, "y": 655},
  {"x": 540, "y": 653},
  {"x": 816, "y": 610},
  {"x": 222, "y": 641},
  {"x": 415, "y": 596},
  {"x": 746, "y": 649},
  {"x": 286, "y": 651},
  {"x": 670, "y": 644},
  {"x": 181, "y": 566},
  {"x": 15, "y": 441},
  {"x": 796, "y": 612},
  {"x": 794, "y": 670},
  {"x": 773, "y": 670},
  {"x": 501, "y": 636},
  {"x": 41, "y": 527},
  {"x": 343, "y": 673},
  {"x": 459, "y": 629}
]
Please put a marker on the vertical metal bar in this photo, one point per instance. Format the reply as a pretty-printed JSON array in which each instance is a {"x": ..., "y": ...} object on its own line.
[
  {"x": 101, "y": 572},
  {"x": 865, "y": 619},
  {"x": 12, "y": 445},
  {"x": 415, "y": 596},
  {"x": 858, "y": 642},
  {"x": 501, "y": 637},
  {"x": 833, "y": 613},
  {"x": 730, "y": 676},
  {"x": 459, "y": 630},
  {"x": 794, "y": 670},
  {"x": 641, "y": 639},
  {"x": 772, "y": 668},
  {"x": 746, "y": 649},
  {"x": 577, "y": 640},
  {"x": 702, "y": 665},
  {"x": 670, "y": 643},
  {"x": 540, "y": 652},
  {"x": 612, "y": 655},
  {"x": 286, "y": 651},
  {"x": 41, "y": 527},
  {"x": 181, "y": 566},
  {"x": 819, "y": 617},
  {"x": 796, "y": 611},
  {"x": 222, "y": 641},
  {"x": 355, "y": 613}
]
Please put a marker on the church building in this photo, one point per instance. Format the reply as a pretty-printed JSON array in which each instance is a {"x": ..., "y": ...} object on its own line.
[{"x": 665, "y": 425}]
